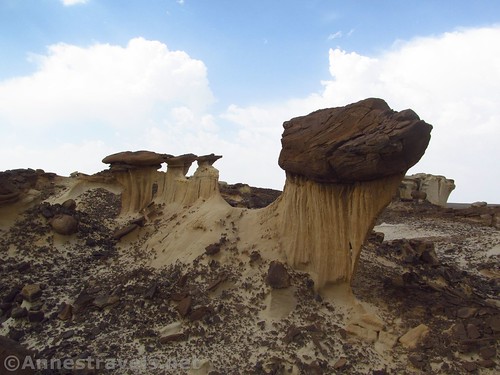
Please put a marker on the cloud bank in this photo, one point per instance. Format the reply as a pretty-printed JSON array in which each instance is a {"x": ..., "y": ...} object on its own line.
[{"x": 83, "y": 103}]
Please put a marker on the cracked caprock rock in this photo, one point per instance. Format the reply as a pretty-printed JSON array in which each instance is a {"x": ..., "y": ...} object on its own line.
[{"x": 362, "y": 141}]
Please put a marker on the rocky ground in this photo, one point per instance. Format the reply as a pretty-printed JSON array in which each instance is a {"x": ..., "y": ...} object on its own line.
[{"x": 90, "y": 296}]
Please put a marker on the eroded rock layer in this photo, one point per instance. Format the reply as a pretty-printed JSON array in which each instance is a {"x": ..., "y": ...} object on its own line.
[{"x": 323, "y": 226}]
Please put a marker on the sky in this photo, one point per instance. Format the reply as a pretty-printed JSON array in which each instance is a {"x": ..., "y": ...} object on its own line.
[{"x": 82, "y": 79}]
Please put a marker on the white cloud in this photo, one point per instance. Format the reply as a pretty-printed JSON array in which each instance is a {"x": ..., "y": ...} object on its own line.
[
  {"x": 73, "y": 2},
  {"x": 120, "y": 86},
  {"x": 336, "y": 35}
]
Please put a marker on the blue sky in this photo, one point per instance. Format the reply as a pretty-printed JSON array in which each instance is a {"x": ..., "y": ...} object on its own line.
[
  {"x": 87, "y": 78},
  {"x": 273, "y": 49}
]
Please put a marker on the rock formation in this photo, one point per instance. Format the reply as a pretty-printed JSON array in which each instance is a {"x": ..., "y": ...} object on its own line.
[
  {"x": 177, "y": 188},
  {"x": 343, "y": 166},
  {"x": 142, "y": 183},
  {"x": 359, "y": 142},
  {"x": 137, "y": 173},
  {"x": 16, "y": 185},
  {"x": 8, "y": 193},
  {"x": 436, "y": 188}
]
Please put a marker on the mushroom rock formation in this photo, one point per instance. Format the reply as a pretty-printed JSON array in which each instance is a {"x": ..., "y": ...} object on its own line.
[
  {"x": 137, "y": 172},
  {"x": 205, "y": 181},
  {"x": 183, "y": 190},
  {"x": 179, "y": 165},
  {"x": 343, "y": 165},
  {"x": 207, "y": 160}
]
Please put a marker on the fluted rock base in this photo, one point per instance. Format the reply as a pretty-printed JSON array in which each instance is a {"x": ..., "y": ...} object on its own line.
[{"x": 323, "y": 226}]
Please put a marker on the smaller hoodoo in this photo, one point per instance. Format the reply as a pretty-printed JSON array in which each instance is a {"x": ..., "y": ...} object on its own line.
[
  {"x": 142, "y": 183},
  {"x": 137, "y": 172}
]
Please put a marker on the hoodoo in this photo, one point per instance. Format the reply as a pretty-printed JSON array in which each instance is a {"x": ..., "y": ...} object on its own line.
[
  {"x": 177, "y": 188},
  {"x": 236, "y": 279},
  {"x": 343, "y": 165},
  {"x": 137, "y": 172},
  {"x": 142, "y": 183}
]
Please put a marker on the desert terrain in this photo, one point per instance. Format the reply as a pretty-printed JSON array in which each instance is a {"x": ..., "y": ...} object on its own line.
[{"x": 133, "y": 271}]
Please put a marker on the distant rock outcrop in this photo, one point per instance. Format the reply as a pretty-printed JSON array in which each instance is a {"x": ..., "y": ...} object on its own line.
[
  {"x": 176, "y": 187},
  {"x": 243, "y": 195},
  {"x": 436, "y": 188},
  {"x": 343, "y": 166}
]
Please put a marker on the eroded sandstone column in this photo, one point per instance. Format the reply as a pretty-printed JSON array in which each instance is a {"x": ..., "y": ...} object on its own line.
[
  {"x": 175, "y": 182},
  {"x": 343, "y": 167},
  {"x": 205, "y": 181},
  {"x": 186, "y": 190},
  {"x": 137, "y": 172}
]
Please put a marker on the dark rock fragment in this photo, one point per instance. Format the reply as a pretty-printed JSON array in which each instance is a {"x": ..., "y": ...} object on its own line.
[
  {"x": 122, "y": 232},
  {"x": 31, "y": 292},
  {"x": 212, "y": 249},
  {"x": 184, "y": 306},
  {"x": 18, "y": 313},
  {"x": 199, "y": 313},
  {"x": 36, "y": 316},
  {"x": 277, "y": 276},
  {"x": 66, "y": 312},
  {"x": 64, "y": 224},
  {"x": 69, "y": 205},
  {"x": 173, "y": 338}
]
